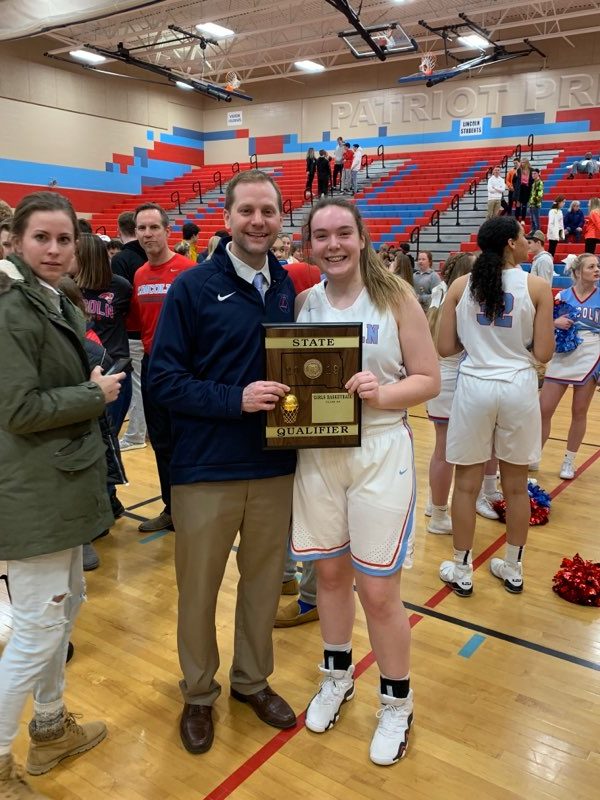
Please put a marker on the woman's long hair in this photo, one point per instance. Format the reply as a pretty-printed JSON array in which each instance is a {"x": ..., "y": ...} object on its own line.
[
  {"x": 94, "y": 264},
  {"x": 486, "y": 277},
  {"x": 456, "y": 265},
  {"x": 385, "y": 289},
  {"x": 403, "y": 268}
]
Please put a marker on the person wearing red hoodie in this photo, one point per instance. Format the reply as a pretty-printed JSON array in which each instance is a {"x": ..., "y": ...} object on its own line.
[{"x": 151, "y": 283}]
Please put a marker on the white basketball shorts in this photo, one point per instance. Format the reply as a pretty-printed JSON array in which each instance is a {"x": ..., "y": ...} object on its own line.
[
  {"x": 359, "y": 500},
  {"x": 438, "y": 409},
  {"x": 492, "y": 414}
]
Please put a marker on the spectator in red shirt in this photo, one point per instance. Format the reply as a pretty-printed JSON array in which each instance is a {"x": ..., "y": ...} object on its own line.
[
  {"x": 347, "y": 159},
  {"x": 150, "y": 286}
]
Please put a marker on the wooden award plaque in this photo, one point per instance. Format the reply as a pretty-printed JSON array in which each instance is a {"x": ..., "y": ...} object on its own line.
[{"x": 315, "y": 361}]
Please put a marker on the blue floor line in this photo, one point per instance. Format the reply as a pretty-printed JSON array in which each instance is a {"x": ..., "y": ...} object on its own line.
[{"x": 475, "y": 642}]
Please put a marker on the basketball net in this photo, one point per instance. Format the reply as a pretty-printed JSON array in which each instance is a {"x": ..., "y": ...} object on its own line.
[
  {"x": 427, "y": 64},
  {"x": 232, "y": 82}
]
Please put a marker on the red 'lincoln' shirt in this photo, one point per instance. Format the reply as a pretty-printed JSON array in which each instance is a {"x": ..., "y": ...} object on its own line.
[{"x": 150, "y": 287}]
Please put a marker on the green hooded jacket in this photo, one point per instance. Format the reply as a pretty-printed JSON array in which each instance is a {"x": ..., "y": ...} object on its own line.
[{"x": 52, "y": 459}]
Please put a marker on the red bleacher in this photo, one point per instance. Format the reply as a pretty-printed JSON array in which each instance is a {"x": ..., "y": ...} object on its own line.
[{"x": 434, "y": 173}]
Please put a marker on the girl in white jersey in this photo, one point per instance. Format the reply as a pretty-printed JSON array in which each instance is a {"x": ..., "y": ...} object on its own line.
[
  {"x": 354, "y": 507},
  {"x": 502, "y": 318},
  {"x": 438, "y": 411},
  {"x": 579, "y": 368}
]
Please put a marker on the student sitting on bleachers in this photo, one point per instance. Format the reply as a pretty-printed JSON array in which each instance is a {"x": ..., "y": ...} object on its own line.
[
  {"x": 574, "y": 219},
  {"x": 587, "y": 165}
]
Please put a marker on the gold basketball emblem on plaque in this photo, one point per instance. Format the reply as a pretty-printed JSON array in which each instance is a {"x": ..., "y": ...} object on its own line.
[
  {"x": 289, "y": 408},
  {"x": 313, "y": 368}
]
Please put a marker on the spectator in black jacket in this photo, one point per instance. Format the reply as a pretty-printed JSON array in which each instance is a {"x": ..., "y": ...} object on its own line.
[
  {"x": 323, "y": 173},
  {"x": 574, "y": 220},
  {"x": 107, "y": 298}
]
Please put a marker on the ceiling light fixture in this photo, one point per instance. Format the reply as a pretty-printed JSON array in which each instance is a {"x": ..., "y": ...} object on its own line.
[
  {"x": 474, "y": 41},
  {"x": 85, "y": 55},
  {"x": 183, "y": 85},
  {"x": 215, "y": 30},
  {"x": 309, "y": 66}
]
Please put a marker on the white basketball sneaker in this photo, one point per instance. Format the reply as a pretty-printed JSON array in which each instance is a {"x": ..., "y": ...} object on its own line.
[
  {"x": 567, "y": 471},
  {"x": 510, "y": 574},
  {"x": 337, "y": 687},
  {"x": 440, "y": 523},
  {"x": 458, "y": 576},
  {"x": 483, "y": 506},
  {"x": 390, "y": 739}
]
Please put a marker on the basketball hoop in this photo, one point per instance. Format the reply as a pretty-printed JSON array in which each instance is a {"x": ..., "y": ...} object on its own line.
[
  {"x": 232, "y": 82},
  {"x": 427, "y": 65},
  {"x": 384, "y": 38}
]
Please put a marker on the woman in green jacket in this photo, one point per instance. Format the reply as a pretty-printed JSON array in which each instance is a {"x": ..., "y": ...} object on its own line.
[{"x": 52, "y": 482}]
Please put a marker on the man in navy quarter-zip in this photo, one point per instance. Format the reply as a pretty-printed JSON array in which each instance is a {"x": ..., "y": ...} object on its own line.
[{"x": 207, "y": 368}]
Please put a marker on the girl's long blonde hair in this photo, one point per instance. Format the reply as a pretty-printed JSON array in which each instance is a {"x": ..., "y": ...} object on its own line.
[{"x": 385, "y": 289}]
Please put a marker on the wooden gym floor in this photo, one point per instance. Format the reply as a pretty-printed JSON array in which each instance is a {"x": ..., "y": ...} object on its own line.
[{"x": 507, "y": 688}]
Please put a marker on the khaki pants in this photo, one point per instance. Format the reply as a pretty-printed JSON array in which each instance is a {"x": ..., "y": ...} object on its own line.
[
  {"x": 207, "y": 517},
  {"x": 493, "y": 207}
]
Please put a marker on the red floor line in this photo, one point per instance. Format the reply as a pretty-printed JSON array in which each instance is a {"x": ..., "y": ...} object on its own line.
[{"x": 255, "y": 761}]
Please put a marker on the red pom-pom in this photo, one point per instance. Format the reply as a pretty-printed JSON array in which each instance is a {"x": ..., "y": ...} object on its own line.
[
  {"x": 539, "y": 514},
  {"x": 578, "y": 581}
]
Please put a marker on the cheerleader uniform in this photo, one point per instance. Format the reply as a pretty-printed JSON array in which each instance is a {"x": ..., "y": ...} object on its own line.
[
  {"x": 359, "y": 500},
  {"x": 582, "y": 364}
]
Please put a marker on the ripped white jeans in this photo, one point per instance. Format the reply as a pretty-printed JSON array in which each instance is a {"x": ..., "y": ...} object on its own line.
[{"x": 46, "y": 593}]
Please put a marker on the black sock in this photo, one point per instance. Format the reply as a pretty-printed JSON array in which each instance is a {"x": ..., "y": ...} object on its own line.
[
  {"x": 337, "y": 659},
  {"x": 394, "y": 688}
]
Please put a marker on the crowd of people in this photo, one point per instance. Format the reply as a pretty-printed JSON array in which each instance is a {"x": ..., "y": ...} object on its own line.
[{"x": 185, "y": 336}]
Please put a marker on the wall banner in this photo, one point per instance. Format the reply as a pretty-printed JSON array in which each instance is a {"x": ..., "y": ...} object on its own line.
[
  {"x": 234, "y": 118},
  {"x": 471, "y": 127}
]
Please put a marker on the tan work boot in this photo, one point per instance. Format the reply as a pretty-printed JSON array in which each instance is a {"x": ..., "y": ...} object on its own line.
[
  {"x": 46, "y": 749},
  {"x": 13, "y": 785}
]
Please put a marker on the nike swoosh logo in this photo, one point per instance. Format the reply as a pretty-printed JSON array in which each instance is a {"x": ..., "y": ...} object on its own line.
[
  {"x": 221, "y": 297},
  {"x": 402, "y": 471}
]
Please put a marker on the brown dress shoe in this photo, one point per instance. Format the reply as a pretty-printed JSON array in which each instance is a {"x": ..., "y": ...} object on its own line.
[
  {"x": 163, "y": 522},
  {"x": 196, "y": 728},
  {"x": 268, "y": 707}
]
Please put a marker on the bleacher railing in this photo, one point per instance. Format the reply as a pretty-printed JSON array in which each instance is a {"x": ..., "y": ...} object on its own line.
[
  {"x": 218, "y": 177},
  {"x": 530, "y": 142},
  {"x": 235, "y": 167},
  {"x": 473, "y": 190},
  {"x": 253, "y": 161},
  {"x": 176, "y": 198},
  {"x": 381, "y": 153},
  {"x": 414, "y": 237},
  {"x": 101, "y": 229},
  {"x": 364, "y": 162},
  {"x": 287, "y": 209},
  {"x": 455, "y": 206},
  {"x": 197, "y": 185},
  {"x": 434, "y": 219}
]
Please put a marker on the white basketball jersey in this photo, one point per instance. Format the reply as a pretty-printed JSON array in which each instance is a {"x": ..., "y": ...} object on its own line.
[
  {"x": 498, "y": 349},
  {"x": 381, "y": 352}
]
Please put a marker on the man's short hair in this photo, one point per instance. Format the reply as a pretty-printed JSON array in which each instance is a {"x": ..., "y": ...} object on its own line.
[
  {"x": 164, "y": 217},
  {"x": 84, "y": 226},
  {"x": 126, "y": 223},
  {"x": 250, "y": 176},
  {"x": 222, "y": 234},
  {"x": 189, "y": 229}
]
